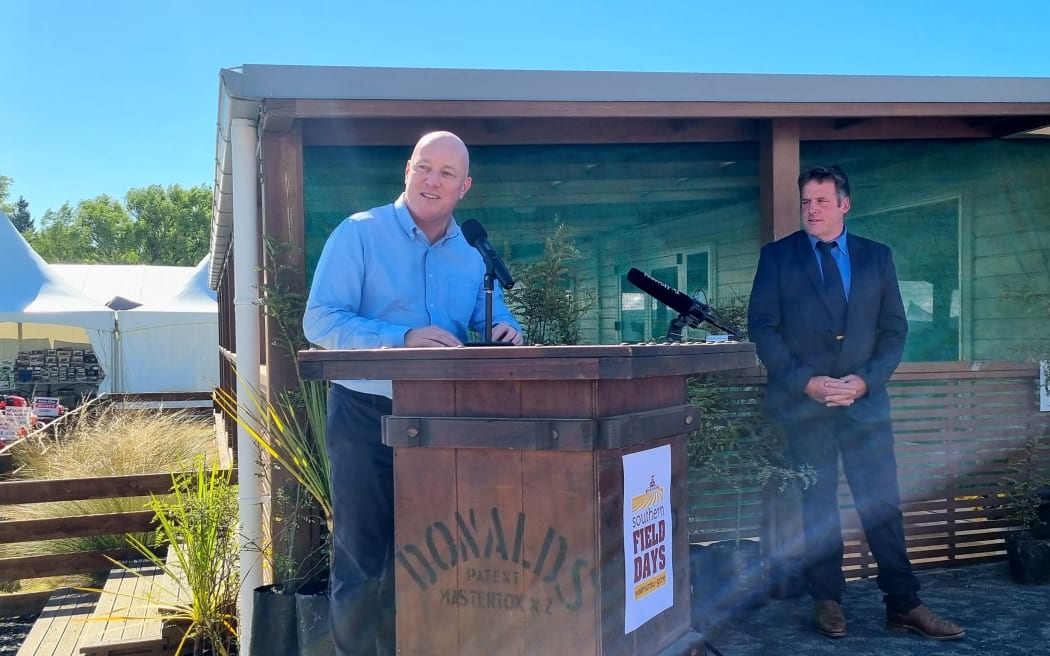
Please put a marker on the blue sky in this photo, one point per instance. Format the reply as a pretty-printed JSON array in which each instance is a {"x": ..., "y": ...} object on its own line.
[{"x": 101, "y": 97}]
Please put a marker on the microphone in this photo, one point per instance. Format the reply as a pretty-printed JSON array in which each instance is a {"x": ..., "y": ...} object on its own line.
[
  {"x": 479, "y": 239},
  {"x": 688, "y": 307}
]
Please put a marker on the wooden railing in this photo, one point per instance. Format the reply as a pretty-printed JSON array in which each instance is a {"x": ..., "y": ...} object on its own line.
[
  {"x": 958, "y": 426},
  {"x": 80, "y": 562}
]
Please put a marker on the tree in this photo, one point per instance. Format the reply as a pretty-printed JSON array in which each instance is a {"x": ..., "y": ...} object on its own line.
[
  {"x": 98, "y": 231},
  {"x": 5, "y": 185},
  {"x": 154, "y": 226},
  {"x": 60, "y": 239},
  {"x": 17, "y": 212},
  {"x": 20, "y": 217},
  {"x": 171, "y": 226}
]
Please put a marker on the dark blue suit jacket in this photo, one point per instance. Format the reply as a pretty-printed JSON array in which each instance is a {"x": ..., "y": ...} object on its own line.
[{"x": 790, "y": 323}]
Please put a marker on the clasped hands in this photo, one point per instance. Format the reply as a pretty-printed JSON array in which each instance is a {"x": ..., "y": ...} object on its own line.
[
  {"x": 836, "y": 392},
  {"x": 436, "y": 336}
]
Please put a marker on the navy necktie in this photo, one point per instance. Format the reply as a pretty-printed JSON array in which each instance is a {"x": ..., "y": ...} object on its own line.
[{"x": 833, "y": 287}]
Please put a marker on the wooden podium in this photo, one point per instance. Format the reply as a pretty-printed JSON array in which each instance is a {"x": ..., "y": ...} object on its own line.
[{"x": 509, "y": 492}]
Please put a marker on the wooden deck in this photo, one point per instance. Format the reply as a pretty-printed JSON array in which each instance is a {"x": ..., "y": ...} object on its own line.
[
  {"x": 127, "y": 612},
  {"x": 125, "y": 620},
  {"x": 62, "y": 621}
]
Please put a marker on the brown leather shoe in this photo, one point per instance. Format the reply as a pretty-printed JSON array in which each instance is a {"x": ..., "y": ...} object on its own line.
[
  {"x": 921, "y": 620},
  {"x": 829, "y": 618}
]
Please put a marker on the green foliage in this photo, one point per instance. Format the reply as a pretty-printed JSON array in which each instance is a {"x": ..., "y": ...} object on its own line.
[
  {"x": 1029, "y": 475},
  {"x": 5, "y": 186},
  {"x": 171, "y": 226},
  {"x": 17, "y": 212},
  {"x": 198, "y": 524},
  {"x": 291, "y": 571},
  {"x": 154, "y": 226},
  {"x": 731, "y": 310},
  {"x": 543, "y": 300},
  {"x": 96, "y": 232},
  {"x": 62, "y": 237},
  {"x": 1033, "y": 303},
  {"x": 1025, "y": 482},
  {"x": 21, "y": 218},
  {"x": 292, "y": 425},
  {"x": 290, "y": 428},
  {"x": 735, "y": 443},
  {"x": 279, "y": 296}
]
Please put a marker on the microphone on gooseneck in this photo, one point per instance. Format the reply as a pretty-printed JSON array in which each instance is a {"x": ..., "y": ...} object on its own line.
[
  {"x": 477, "y": 237},
  {"x": 688, "y": 307}
]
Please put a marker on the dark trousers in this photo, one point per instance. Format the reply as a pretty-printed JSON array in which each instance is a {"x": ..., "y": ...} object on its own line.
[
  {"x": 362, "y": 592},
  {"x": 870, "y": 466}
]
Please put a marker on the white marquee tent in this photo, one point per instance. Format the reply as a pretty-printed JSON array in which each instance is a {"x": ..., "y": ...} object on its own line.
[
  {"x": 169, "y": 340},
  {"x": 38, "y": 306},
  {"x": 166, "y": 342}
]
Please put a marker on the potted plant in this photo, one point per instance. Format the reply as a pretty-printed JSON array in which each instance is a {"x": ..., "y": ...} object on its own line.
[
  {"x": 1025, "y": 489},
  {"x": 1026, "y": 498},
  {"x": 290, "y": 429},
  {"x": 290, "y": 615}
]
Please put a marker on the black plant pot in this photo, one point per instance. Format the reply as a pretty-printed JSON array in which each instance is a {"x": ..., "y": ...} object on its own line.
[
  {"x": 1028, "y": 557},
  {"x": 315, "y": 636},
  {"x": 274, "y": 630},
  {"x": 726, "y": 578}
]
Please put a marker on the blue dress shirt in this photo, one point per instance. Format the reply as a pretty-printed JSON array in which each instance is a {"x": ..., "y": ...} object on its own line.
[{"x": 379, "y": 277}]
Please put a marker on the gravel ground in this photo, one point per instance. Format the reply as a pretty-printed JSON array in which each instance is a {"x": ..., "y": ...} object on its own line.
[{"x": 13, "y": 630}]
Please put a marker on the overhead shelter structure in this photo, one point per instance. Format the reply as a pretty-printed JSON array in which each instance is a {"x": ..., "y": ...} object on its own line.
[
  {"x": 684, "y": 176},
  {"x": 681, "y": 175},
  {"x": 39, "y": 308}
]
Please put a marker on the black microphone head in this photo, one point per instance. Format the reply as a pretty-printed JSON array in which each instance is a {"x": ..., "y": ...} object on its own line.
[{"x": 472, "y": 232}]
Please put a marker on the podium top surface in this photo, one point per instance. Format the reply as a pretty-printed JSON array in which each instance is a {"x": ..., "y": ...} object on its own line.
[{"x": 623, "y": 361}]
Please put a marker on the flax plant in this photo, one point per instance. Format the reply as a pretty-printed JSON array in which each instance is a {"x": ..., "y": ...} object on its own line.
[
  {"x": 289, "y": 426},
  {"x": 291, "y": 429},
  {"x": 198, "y": 524}
]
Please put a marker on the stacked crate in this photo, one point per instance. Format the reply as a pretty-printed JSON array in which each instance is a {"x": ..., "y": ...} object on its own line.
[{"x": 58, "y": 365}]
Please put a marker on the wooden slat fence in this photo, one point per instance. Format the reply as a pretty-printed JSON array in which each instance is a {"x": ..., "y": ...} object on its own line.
[
  {"x": 958, "y": 428},
  {"x": 43, "y": 491}
]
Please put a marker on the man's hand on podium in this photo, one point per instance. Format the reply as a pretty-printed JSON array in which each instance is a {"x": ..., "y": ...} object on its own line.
[
  {"x": 431, "y": 336},
  {"x": 504, "y": 332}
]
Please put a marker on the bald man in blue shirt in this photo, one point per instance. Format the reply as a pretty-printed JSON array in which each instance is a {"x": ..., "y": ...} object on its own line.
[{"x": 397, "y": 275}]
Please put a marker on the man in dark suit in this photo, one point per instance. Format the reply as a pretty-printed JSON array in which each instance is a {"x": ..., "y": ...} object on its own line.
[{"x": 827, "y": 318}]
